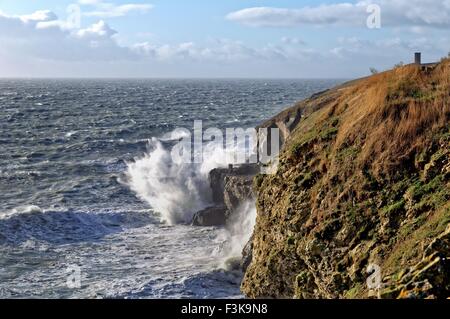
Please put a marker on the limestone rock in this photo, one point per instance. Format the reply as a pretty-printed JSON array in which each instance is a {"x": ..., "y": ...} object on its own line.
[
  {"x": 217, "y": 182},
  {"x": 218, "y": 176},
  {"x": 212, "y": 216},
  {"x": 238, "y": 189},
  {"x": 247, "y": 255}
]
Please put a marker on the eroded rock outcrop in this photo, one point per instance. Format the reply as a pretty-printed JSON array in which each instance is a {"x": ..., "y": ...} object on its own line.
[
  {"x": 231, "y": 187},
  {"x": 211, "y": 216},
  {"x": 247, "y": 255},
  {"x": 238, "y": 190}
]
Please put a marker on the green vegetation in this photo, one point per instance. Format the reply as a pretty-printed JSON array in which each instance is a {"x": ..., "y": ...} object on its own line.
[
  {"x": 306, "y": 139},
  {"x": 419, "y": 189},
  {"x": 394, "y": 208},
  {"x": 354, "y": 292},
  {"x": 328, "y": 134}
]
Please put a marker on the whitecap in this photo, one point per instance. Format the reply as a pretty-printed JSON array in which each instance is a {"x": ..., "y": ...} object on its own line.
[
  {"x": 174, "y": 135},
  {"x": 28, "y": 209},
  {"x": 71, "y": 133}
]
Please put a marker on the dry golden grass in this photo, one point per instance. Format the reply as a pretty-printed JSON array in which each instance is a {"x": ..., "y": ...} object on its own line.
[{"x": 390, "y": 114}]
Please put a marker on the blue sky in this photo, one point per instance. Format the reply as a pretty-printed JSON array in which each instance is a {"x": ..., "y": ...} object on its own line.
[{"x": 227, "y": 38}]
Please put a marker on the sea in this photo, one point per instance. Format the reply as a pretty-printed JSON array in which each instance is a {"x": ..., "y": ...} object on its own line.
[{"x": 92, "y": 203}]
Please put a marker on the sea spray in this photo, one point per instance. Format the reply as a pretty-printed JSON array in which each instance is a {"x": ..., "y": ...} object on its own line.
[
  {"x": 174, "y": 189},
  {"x": 177, "y": 190},
  {"x": 236, "y": 236}
]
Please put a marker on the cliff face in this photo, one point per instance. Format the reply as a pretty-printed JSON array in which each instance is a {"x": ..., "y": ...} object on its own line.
[{"x": 363, "y": 180}]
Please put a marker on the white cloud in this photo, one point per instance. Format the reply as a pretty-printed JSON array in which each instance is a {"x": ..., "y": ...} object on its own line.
[
  {"x": 89, "y": 2},
  {"x": 109, "y": 10},
  {"x": 218, "y": 50},
  {"x": 46, "y": 37},
  {"x": 99, "y": 29},
  {"x": 58, "y": 24},
  {"x": 41, "y": 15},
  {"x": 42, "y": 36},
  {"x": 41, "y": 39},
  {"x": 280, "y": 17},
  {"x": 430, "y": 13}
]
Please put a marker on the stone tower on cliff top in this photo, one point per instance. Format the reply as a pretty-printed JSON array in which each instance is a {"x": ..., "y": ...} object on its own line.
[{"x": 418, "y": 58}]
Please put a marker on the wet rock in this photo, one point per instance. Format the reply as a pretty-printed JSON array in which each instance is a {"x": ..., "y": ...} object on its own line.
[
  {"x": 218, "y": 179},
  {"x": 238, "y": 189},
  {"x": 217, "y": 182},
  {"x": 231, "y": 187},
  {"x": 247, "y": 255},
  {"x": 233, "y": 264},
  {"x": 212, "y": 216}
]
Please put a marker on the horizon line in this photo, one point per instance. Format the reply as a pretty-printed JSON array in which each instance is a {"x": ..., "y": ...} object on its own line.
[{"x": 167, "y": 78}]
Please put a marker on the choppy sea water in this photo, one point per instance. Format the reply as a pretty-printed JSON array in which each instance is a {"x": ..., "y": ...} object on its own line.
[{"x": 87, "y": 187}]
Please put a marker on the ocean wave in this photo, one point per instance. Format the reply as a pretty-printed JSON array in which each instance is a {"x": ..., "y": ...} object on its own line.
[
  {"x": 174, "y": 135},
  {"x": 175, "y": 189},
  {"x": 28, "y": 209},
  {"x": 65, "y": 226},
  {"x": 204, "y": 285},
  {"x": 68, "y": 155},
  {"x": 71, "y": 133}
]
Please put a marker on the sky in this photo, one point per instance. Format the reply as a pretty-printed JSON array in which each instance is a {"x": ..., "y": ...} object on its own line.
[{"x": 218, "y": 39}]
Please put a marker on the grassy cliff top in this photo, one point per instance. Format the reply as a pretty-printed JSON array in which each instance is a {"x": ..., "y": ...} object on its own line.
[{"x": 363, "y": 179}]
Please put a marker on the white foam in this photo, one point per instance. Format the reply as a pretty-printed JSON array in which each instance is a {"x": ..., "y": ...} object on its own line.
[
  {"x": 29, "y": 209},
  {"x": 71, "y": 133},
  {"x": 239, "y": 232},
  {"x": 176, "y": 134}
]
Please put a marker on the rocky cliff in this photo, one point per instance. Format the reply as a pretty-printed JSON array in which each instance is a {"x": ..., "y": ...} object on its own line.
[{"x": 363, "y": 180}]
